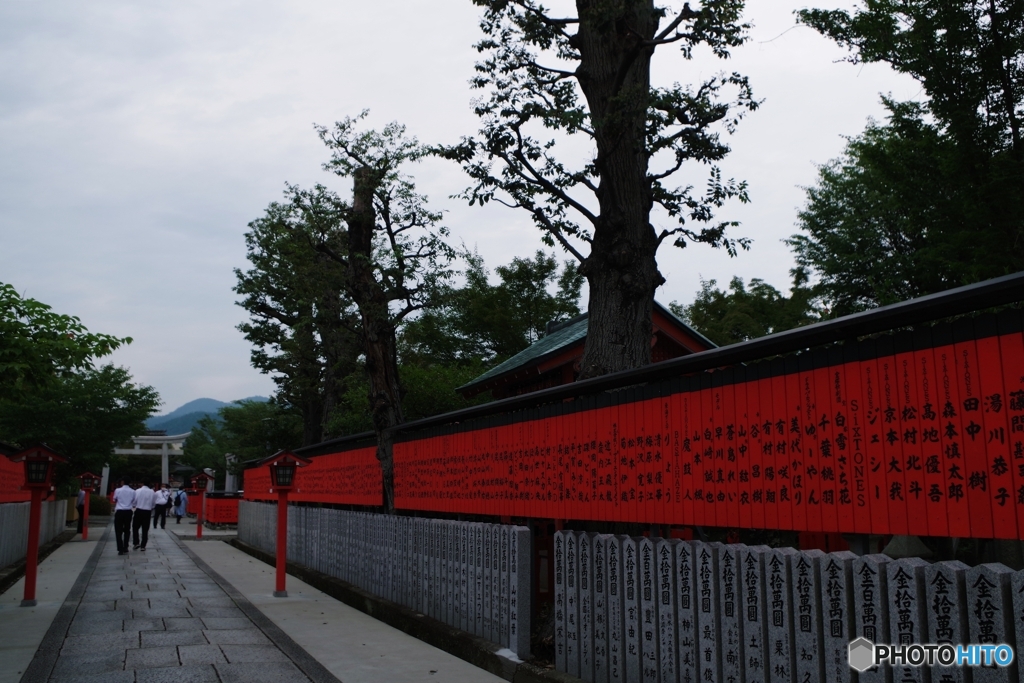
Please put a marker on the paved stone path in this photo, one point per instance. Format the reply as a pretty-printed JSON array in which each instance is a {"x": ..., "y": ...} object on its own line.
[{"x": 163, "y": 615}]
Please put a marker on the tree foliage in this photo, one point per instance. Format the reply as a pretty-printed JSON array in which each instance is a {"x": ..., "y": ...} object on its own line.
[
  {"x": 932, "y": 198},
  {"x": 301, "y": 324},
  {"x": 82, "y": 415},
  {"x": 249, "y": 430},
  {"x": 742, "y": 313},
  {"x": 39, "y": 346},
  {"x": 548, "y": 80},
  {"x": 488, "y": 323},
  {"x": 968, "y": 56}
]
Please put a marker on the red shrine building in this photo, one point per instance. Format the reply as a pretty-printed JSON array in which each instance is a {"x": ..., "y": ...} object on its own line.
[{"x": 554, "y": 359}]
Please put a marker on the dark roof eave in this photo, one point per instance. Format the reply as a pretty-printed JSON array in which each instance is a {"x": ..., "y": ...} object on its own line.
[{"x": 511, "y": 372}]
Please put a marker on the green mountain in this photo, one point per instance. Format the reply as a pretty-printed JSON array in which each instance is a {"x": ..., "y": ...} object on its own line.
[{"x": 184, "y": 418}]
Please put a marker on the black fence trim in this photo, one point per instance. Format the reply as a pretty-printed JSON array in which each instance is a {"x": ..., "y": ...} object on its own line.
[{"x": 968, "y": 299}]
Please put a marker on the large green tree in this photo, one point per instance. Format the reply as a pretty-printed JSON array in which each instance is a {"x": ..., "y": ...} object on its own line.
[
  {"x": 489, "y": 323},
  {"x": 934, "y": 197},
  {"x": 51, "y": 391},
  {"x": 248, "y": 430},
  {"x": 747, "y": 312},
  {"x": 391, "y": 249},
  {"x": 301, "y": 326},
  {"x": 553, "y": 85},
  {"x": 82, "y": 415},
  {"x": 38, "y": 345}
]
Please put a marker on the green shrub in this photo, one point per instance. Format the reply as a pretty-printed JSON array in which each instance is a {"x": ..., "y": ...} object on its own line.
[{"x": 98, "y": 505}]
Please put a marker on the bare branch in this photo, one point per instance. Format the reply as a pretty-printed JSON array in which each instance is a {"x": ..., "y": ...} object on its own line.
[
  {"x": 550, "y": 187},
  {"x": 668, "y": 233},
  {"x": 557, "y": 234}
]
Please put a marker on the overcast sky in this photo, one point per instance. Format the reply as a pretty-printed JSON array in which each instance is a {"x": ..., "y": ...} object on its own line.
[{"x": 137, "y": 140}]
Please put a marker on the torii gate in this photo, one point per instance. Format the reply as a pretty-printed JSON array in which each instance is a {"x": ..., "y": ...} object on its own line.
[{"x": 152, "y": 444}]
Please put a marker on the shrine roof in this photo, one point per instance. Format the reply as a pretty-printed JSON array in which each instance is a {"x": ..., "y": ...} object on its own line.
[{"x": 559, "y": 337}]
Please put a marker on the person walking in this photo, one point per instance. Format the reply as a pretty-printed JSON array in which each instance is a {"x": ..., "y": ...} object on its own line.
[
  {"x": 80, "y": 506},
  {"x": 163, "y": 500},
  {"x": 145, "y": 499},
  {"x": 124, "y": 501},
  {"x": 180, "y": 505}
]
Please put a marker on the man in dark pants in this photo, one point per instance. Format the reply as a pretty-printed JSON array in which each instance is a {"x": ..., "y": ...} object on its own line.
[
  {"x": 163, "y": 501},
  {"x": 145, "y": 499},
  {"x": 124, "y": 501}
]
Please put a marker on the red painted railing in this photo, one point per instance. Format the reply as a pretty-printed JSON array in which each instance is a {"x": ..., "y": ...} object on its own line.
[
  {"x": 12, "y": 476},
  {"x": 915, "y": 433},
  {"x": 221, "y": 510}
]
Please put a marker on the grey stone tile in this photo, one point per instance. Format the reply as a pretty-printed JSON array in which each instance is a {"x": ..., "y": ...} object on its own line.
[
  {"x": 238, "y": 636},
  {"x": 104, "y": 677},
  {"x": 151, "y": 658},
  {"x": 217, "y": 623},
  {"x": 219, "y": 600},
  {"x": 196, "y": 673},
  {"x": 93, "y": 662},
  {"x": 145, "y": 624},
  {"x": 133, "y": 604},
  {"x": 192, "y": 590},
  {"x": 252, "y": 653},
  {"x": 184, "y": 624},
  {"x": 88, "y": 623},
  {"x": 98, "y": 606},
  {"x": 163, "y": 610},
  {"x": 119, "y": 592},
  {"x": 200, "y": 654},
  {"x": 100, "y": 643},
  {"x": 199, "y": 611},
  {"x": 155, "y": 594},
  {"x": 168, "y": 584},
  {"x": 172, "y": 638},
  {"x": 268, "y": 672}
]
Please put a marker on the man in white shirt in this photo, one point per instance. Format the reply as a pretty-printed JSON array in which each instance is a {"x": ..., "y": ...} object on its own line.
[
  {"x": 124, "y": 501},
  {"x": 145, "y": 499},
  {"x": 163, "y": 500}
]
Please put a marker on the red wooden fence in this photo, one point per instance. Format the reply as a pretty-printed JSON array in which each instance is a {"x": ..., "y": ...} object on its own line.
[
  {"x": 12, "y": 476},
  {"x": 917, "y": 433},
  {"x": 221, "y": 510},
  {"x": 350, "y": 477}
]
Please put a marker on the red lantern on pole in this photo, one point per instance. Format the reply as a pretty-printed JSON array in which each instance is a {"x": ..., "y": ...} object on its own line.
[
  {"x": 199, "y": 483},
  {"x": 39, "y": 463},
  {"x": 282, "y": 480},
  {"x": 90, "y": 482}
]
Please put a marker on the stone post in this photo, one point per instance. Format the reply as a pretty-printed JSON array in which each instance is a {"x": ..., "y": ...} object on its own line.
[
  {"x": 807, "y": 615},
  {"x": 836, "y": 577}
]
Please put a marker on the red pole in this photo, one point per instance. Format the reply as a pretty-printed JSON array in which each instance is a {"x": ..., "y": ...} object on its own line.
[
  {"x": 32, "y": 559},
  {"x": 282, "y": 543},
  {"x": 85, "y": 516},
  {"x": 199, "y": 516}
]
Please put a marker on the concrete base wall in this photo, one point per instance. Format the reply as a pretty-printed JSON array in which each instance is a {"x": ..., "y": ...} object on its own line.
[
  {"x": 14, "y": 527},
  {"x": 474, "y": 577}
]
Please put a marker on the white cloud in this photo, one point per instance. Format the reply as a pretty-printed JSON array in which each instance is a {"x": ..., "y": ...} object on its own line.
[{"x": 138, "y": 139}]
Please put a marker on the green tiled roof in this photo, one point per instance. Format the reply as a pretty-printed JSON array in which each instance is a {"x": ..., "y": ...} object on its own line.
[
  {"x": 564, "y": 334},
  {"x": 575, "y": 330}
]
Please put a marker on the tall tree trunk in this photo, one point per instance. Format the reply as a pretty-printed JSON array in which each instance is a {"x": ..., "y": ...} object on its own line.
[
  {"x": 378, "y": 330},
  {"x": 339, "y": 350},
  {"x": 614, "y": 74},
  {"x": 303, "y": 389}
]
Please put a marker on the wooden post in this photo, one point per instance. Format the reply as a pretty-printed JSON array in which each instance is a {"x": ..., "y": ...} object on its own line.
[
  {"x": 32, "y": 559},
  {"x": 85, "y": 516},
  {"x": 199, "y": 515},
  {"x": 282, "y": 543}
]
